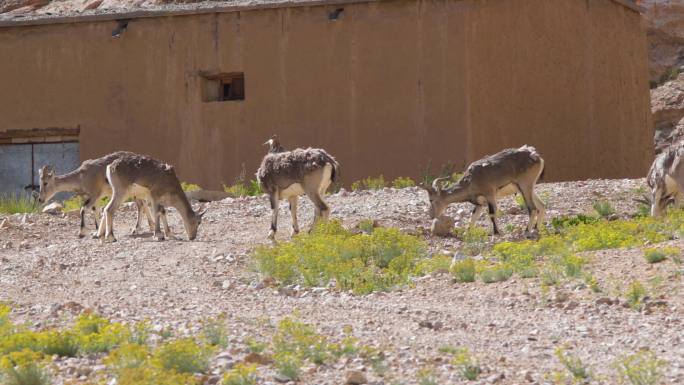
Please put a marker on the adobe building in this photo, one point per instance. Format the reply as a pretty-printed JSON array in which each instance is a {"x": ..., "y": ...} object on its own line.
[{"x": 388, "y": 87}]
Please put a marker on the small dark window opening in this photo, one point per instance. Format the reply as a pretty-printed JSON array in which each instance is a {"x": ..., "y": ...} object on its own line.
[
  {"x": 334, "y": 15},
  {"x": 223, "y": 87},
  {"x": 233, "y": 88}
]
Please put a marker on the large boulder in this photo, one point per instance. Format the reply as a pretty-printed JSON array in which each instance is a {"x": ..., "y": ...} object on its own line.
[
  {"x": 665, "y": 29},
  {"x": 667, "y": 106}
]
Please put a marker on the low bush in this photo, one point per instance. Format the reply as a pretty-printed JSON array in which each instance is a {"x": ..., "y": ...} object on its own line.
[
  {"x": 241, "y": 374},
  {"x": 188, "y": 187},
  {"x": 475, "y": 240},
  {"x": 72, "y": 204},
  {"x": 359, "y": 262},
  {"x": 496, "y": 273},
  {"x": 403, "y": 182},
  {"x": 29, "y": 373},
  {"x": 243, "y": 189},
  {"x": 642, "y": 368},
  {"x": 573, "y": 364},
  {"x": 370, "y": 183},
  {"x": 183, "y": 356},
  {"x": 603, "y": 208},
  {"x": 560, "y": 223},
  {"x": 635, "y": 294},
  {"x": 466, "y": 364},
  {"x": 464, "y": 271},
  {"x": 659, "y": 254},
  {"x": 17, "y": 203},
  {"x": 436, "y": 263},
  {"x": 214, "y": 332}
]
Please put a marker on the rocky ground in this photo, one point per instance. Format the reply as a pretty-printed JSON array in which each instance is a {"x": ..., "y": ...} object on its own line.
[{"x": 512, "y": 327}]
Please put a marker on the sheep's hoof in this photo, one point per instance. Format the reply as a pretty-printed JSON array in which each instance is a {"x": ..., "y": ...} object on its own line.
[
  {"x": 159, "y": 238},
  {"x": 81, "y": 235},
  {"x": 271, "y": 235}
]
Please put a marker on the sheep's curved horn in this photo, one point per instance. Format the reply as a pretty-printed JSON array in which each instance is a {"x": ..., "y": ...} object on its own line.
[{"x": 435, "y": 183}]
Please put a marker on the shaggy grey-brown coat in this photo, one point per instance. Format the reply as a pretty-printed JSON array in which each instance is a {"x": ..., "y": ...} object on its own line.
[
  {"x": 289, "y": 174},
  {"x": 666, "y": 179},
  {"x": 279, "y": 170}
]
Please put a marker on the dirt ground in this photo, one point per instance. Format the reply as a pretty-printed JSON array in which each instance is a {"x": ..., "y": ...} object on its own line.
[{"x": 513, "y": 327}]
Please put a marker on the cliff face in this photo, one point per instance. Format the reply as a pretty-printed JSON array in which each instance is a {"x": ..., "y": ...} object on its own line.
[
  {"x": 665, "y": 22},
  {"x": 665, "y": 28}
]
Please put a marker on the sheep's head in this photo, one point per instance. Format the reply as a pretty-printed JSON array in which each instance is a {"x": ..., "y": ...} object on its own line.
[
  {"x": 274, "y": 145},
  {"x": 47, "y": 183},
  {"x": 436, "y": 196}
]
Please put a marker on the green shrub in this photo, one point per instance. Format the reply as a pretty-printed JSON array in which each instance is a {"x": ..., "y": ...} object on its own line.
[
  {"x": 643, "y": 210},
  {"x": 573, "y": 364},
  {"x": 214, "y": 332},
  {"x": 63, "y": 344},
  {"x": 496, "y": 273},
  {"x": 288, "y": 365},
  {"x": 464, "y": 271},
  {"x": 448, "y": 169},
  {"x": 72, "y": 204},
  {"x": 550, "y": 275},
  {"x": 127, "y": 356},
  {"x": 17, "y": 203},
  {"x": 147, "y": 375},
  {"x": 642, "y": 368},
  {"x": 466, "y": 364},
  {"x": 403, "y": 182},
  {"x": 241, "y": 374},
  {"x": 655, "y": 255},
  {"x": 636, "y": 292},
  {"x": 572, "y": 265},
  {"x": 366, "y": 225},
  {"x": 188, "y": 187},
  {"x": 560, "y": 223},
  {"x": 255, "y": 346},
  {"x": 437, "y": 262},
  {"x": 359, "y": 262},
  {"x": 300, "y": 340},
  {"x": 29, "y": 374},
  {"x": 426, "y": 376},
  {"x": 183, "y": 356},
  {"x": 474, "y": 240},
  {"x": 369, "y": 183},
  {"x": 243, "y": 189},
  {"x": 604, "y": 209}
]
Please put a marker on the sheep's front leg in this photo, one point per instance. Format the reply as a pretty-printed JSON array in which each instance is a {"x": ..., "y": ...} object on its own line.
[
  {"x": 293, "y": 213},
  {"x": 274, "y": 218}
]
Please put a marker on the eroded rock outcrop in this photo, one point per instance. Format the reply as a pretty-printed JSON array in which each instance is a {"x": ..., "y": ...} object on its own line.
[
  {"x": 667, "y": 106},
  {"x": 665, "y": 23}
]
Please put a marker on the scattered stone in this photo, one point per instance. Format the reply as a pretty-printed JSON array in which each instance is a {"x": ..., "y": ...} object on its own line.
[
  {"x": 604, "y": 301},
  {"x": 442, "y": 226},
  {"x": 256, "y": 358},
  {"x": 53, "y": 208},
  {"x": 355, "y": 377},
  {"x": 281, "y": 378},
  {"x": 495, "y": 378},
  {"x": 434, "y": 325}
]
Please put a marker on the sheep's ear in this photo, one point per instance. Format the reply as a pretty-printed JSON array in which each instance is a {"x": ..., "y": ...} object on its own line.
[{"x": 47, "y": 170}]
